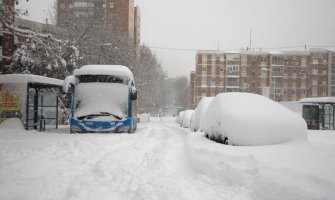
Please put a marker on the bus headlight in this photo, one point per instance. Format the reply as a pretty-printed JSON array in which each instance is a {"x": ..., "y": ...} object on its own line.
[{"x": 75, "y": 129}]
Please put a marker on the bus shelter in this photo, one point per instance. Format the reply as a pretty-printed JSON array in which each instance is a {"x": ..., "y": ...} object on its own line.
[
  {"x": 31, "y": 98},
  {"x": 319, "y": 113}
]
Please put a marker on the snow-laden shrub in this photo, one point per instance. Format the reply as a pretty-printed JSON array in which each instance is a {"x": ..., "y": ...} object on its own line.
[
  {"x": 199, "y": 112},
  {"x": 187, "y": 118},
  {"x": 250, "y": 119}
]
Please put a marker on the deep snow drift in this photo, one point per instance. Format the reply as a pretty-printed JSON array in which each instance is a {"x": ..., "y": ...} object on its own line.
[
  {"x": 161, "y": 161},
  {"x": 250, "y": 119}
]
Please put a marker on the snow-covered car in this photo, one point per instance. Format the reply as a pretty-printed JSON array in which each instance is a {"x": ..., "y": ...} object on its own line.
[
  {"x": 199, "y": 112},
  {"x": 192, "y": 122},
  {"x": 180, "y": 118},
  {"x": 187, "y": 118},
  {"x": 250, "y": 119}
]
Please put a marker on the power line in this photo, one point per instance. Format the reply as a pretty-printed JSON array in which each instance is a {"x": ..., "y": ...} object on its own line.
[{"x": 267, "y": 48}]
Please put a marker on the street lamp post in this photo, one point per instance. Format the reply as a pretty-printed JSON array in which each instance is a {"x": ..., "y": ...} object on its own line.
[{"x": 274, "y": 81}]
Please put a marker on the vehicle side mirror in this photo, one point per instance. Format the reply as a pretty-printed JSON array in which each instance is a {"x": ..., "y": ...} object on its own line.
[{"x": 134, "y": 95}]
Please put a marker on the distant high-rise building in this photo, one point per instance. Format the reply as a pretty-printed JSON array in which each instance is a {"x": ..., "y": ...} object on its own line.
[
  {"x": 282, "y": 76},
  {"x": 120, "y": 14}
]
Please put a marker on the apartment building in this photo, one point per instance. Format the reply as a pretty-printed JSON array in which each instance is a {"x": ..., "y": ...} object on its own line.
[
  {"x": 120, "y": 14},
  {"x": 191, "y": 95},
  {"x": 209, "y": 78},
  {"x": 281, "y": 76},
  {"x": 232, "y": 72}
]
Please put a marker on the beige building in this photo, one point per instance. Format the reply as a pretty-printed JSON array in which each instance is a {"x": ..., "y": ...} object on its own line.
[{"x": 282, "y": 76}]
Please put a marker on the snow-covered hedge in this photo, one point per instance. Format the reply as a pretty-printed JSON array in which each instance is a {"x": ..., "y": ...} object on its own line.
[
  {"x": 250, "y": 119},
  {"x": 199, "y": 112},
  {"x": 187, "y": 118}
]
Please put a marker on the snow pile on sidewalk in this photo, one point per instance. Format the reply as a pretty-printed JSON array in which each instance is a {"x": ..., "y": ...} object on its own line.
[
  {"x": 12, "y": 124},
  {"x": 250, "y": 119},
  {"x": 144, "y": 117}
]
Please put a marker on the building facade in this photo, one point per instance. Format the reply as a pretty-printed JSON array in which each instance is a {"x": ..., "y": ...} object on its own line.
[
  {"x": 209, "y": 78},
  {"x": 191, "y": 95},
  {"x": 120, "y": 14},
  {"x": 281, "y": 76}
]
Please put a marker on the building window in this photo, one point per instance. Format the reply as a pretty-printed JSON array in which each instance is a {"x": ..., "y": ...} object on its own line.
[{"x": 253, "y": 74}]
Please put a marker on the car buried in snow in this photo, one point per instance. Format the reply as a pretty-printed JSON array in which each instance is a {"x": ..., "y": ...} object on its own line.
[
  {"x": 104, "y": 99},
  {"x": 246, "y": 119}
]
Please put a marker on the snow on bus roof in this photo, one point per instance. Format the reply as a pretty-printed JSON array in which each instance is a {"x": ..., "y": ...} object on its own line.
[
  {"x": 117, "y": 70},
  {"x": 29, "y": 78},
  {"x": 318, "y": 100}
]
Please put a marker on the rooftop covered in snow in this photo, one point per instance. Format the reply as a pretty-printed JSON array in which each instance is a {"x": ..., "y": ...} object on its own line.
[
  {"x": 30, "y": 78},
  {"x": 116, "y": 70},
  {"x": 320, "y": 100}
]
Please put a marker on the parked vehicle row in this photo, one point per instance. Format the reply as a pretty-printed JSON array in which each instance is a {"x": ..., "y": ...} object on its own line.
[
  {"x": 245, "y": 119},
  {"x": 184, "y": 118}
]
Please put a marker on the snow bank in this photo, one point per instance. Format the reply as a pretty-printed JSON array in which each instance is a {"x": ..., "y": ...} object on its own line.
[
  {"x": 12, "y": 123},
  {"x": 250, "y": 119},
  {"x": 200, "y": 110},
  {"x": 144, "y": 117},
  {"x": 187, "y": 118}
]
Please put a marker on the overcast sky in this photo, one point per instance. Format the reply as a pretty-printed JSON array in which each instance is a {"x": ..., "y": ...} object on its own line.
[{"x": 203, "y": 24}]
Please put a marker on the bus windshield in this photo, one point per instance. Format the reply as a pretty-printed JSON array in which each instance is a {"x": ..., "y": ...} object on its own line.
[
  {"x": 101, "y": 97},
  {"x": 103, "y": 79}
]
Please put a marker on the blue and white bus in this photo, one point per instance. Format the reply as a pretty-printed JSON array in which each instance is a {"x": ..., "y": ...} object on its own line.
[{"x": 104, "y": 99}]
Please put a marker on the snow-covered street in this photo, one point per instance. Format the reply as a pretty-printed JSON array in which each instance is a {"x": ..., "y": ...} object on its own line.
[{"x": 161, "y": 161}]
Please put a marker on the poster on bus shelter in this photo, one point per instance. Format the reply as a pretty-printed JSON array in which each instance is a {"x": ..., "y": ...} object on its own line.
[{"x": 12, "y": 101}]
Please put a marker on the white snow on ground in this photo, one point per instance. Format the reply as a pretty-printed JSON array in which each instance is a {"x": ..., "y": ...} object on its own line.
[{"x": 161, "y": 161}]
